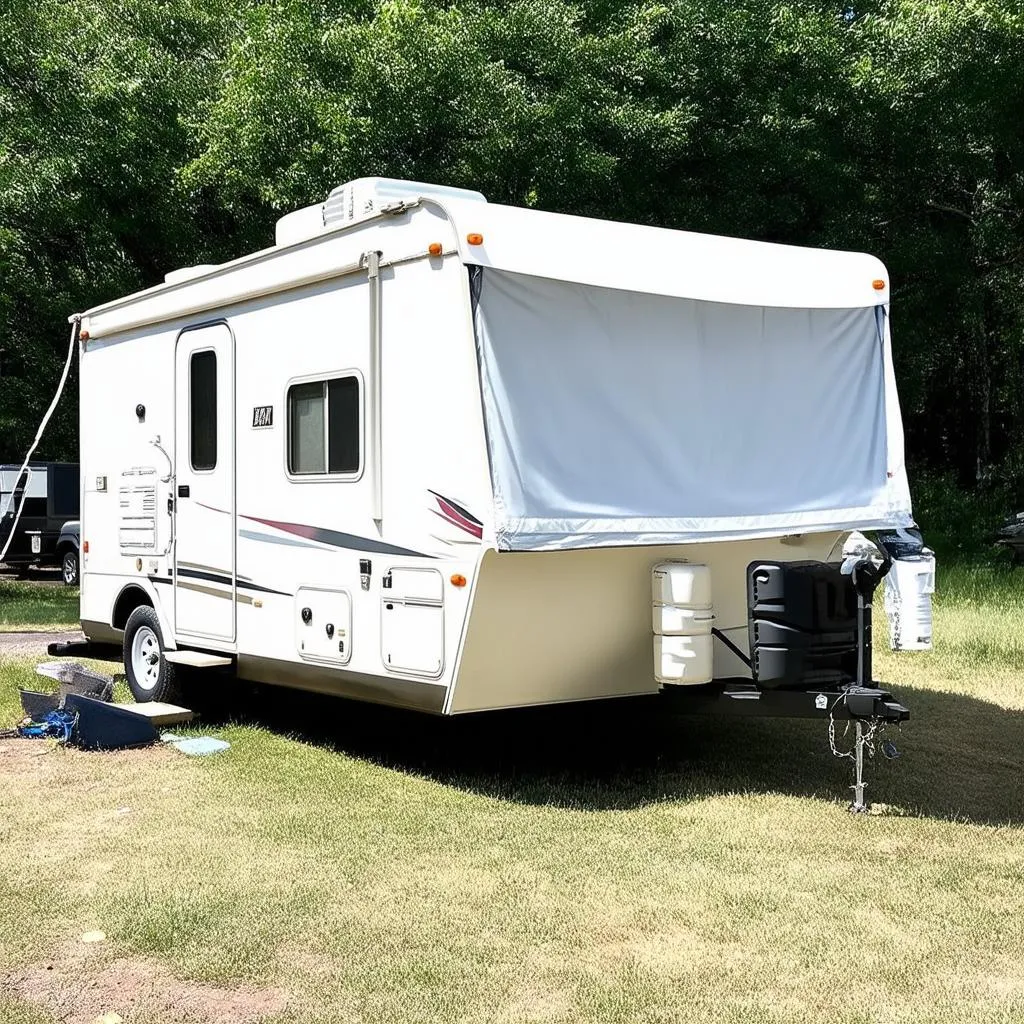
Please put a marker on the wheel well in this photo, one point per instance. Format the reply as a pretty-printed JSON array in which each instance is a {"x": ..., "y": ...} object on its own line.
[{"x": 127, "y": 601}]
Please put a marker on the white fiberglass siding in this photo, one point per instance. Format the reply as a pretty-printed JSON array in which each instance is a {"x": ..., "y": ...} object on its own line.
[{"x": 615, "y": 417}]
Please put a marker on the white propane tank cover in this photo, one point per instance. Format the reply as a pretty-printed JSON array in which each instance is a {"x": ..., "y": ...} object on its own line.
[
  {"x": 675, "y": 620},
  {"x": 683, "y": 660},
  {"x": 682, "y": 616},
  {"x": 681, "y": 583}
]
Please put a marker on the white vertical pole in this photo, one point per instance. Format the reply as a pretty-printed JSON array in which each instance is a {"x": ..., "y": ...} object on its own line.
[{"x": 375, "y": 391}]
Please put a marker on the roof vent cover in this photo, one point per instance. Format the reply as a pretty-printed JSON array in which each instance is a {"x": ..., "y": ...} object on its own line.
[{"x": 365, "y": 197}]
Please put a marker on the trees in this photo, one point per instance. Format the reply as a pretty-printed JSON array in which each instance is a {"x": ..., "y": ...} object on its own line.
[
  {"x": 946, "y": 160},
  {"x": 140, "y": 135},
  {"x": 92, "y": 136}
]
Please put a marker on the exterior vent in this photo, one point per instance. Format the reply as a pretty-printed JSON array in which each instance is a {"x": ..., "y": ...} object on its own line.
[
  {"x": 364, "y": 197},
  {"x": 355, "y": 201},
  {"x": 137, "y": 505}
]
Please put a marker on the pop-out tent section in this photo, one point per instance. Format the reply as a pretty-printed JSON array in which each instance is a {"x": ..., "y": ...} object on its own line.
[{"x": 619, "y": 416}]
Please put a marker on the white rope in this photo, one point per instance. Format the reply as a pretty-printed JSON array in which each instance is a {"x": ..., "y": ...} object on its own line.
[{"x": 76, "y": 323}]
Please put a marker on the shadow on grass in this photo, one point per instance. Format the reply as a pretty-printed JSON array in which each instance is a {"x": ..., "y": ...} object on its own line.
[{"x": 962, "y": 757}]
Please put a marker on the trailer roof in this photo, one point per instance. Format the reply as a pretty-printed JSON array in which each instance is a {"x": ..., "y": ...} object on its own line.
[
  {"x": 660, "y": 261},
  {"x": 607, "y": 254}
]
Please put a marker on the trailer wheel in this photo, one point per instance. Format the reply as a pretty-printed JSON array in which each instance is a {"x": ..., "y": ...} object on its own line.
[
  {"x": 150, "y": 675},
  {"x": 69, "y": 568}
]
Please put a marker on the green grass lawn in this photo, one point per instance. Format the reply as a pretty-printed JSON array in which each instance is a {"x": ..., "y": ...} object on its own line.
[
  {"x": 612, "y": 863},
  {"x": 28, "y": 605}
]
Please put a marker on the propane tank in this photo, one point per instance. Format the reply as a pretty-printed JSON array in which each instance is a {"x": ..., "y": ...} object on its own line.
[{"x": 909, "y": 587}]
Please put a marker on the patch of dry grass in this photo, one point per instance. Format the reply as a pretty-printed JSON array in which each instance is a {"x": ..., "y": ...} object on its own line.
[{"x": 614, "y": 863}]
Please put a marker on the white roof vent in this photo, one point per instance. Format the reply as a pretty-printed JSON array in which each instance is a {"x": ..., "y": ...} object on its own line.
[
  {"x": 355, "y": 201},
  {"x": 364, "y": 197}
]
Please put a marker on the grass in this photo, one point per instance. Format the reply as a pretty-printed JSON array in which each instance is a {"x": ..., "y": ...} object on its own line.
[
  {"x": 29, "y": 606},
  {"x": 593, "y": 864}
]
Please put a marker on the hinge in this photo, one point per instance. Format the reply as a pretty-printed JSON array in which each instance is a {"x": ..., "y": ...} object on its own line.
[{"x": 397, "y": 207}]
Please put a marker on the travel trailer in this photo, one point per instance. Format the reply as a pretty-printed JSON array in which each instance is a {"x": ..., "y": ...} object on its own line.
[
  {"x": 46, "y": 494},
  {"x": 444, "y": 454}
]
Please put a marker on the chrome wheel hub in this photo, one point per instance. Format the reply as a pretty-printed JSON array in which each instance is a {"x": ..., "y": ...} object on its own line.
[{"x": 146, "y": 658}]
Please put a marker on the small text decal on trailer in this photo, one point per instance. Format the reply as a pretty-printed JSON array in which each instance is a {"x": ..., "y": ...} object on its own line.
[{"x": 262, "y": 415}]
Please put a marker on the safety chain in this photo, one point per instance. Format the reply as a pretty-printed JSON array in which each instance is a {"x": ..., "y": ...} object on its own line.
[{"x": 870, "y": 732}]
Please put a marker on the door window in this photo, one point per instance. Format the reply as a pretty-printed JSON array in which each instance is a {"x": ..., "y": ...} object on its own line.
[{"x": 203, "y": 410}]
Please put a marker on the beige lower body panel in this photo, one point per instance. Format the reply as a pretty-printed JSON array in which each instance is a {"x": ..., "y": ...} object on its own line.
[
  {"x": 401, "y": 693},
  {"x": 101, "y": 632},
  {"x": 547, "y": 627}
]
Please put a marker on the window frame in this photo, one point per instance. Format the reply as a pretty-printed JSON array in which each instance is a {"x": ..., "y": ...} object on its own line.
[
  {"x": 324, "y": 378},
  {"x": 216, "y": 425}
]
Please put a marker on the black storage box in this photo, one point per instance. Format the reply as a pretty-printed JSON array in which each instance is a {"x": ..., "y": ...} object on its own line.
[{"x": 803, "y": 625}]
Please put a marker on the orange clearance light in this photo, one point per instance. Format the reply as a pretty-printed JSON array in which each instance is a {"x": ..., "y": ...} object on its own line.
[
  {"x": 475, "y": 239},
  {"x": 85, "y": 546},
  {"x": 434, "y": 248},
  {"x": 83, "y": 335},
  {"x": 458, "y": 580},
  {"x": 878, "y": 284}
]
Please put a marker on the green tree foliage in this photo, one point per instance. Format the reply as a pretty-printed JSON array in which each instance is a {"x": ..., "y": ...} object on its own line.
[{"x": 139, "y": 135}]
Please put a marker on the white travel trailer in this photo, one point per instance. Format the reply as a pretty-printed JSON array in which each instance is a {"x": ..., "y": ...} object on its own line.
[{"x": 444, "y": 454}]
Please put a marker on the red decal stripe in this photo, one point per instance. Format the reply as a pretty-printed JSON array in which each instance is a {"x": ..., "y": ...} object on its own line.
[{"x": 451, "y": 515}]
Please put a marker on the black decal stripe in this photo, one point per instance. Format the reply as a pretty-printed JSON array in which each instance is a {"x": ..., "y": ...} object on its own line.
[{"x": 216, "y": 578}]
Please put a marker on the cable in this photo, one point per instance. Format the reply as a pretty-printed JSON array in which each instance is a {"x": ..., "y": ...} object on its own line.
[{"x": 76, "y": 323}]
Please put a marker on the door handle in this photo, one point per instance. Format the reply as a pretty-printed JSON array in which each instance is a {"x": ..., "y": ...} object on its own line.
[{"x": 183, "y": 490}]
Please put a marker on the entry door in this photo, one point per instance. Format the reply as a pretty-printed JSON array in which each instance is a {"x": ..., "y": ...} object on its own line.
[{"x": 204, "y": 485}]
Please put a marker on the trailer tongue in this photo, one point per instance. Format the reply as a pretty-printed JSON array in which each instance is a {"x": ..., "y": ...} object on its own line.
[{"x": 810, "y": 644}]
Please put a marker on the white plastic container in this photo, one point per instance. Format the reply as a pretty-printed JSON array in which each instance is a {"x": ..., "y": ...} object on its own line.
[
  {"x": 675, "y": 620},
  {"x": 683, "y": 660},
  {"x": 908, "y": 602},
  {"x": 681, "y": 617},
  {"x": 681, "y": 583}
]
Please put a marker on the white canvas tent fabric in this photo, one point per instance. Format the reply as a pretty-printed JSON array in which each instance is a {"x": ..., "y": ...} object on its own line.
[{"x": 615, "y": 417}]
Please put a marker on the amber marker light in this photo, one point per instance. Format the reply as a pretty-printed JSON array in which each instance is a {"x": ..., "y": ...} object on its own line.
[
  {"x": 85, "y": 546},
  {"x": 434, "y": 248},
  {"x": 458, "y": 580},
  {"x": 83, "y": 335},
  {"x": 474, "y": 238},
  {"x": 878, "y": 284}
]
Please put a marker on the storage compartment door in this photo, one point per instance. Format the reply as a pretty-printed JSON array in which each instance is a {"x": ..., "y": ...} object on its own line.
[
  {"x": 323, "y": 625},
  {"x": 412, "y": 622}
]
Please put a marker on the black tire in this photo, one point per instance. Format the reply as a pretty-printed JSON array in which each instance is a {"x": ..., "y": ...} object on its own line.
[
  {"x": 69, "y": 568},
  {"x": 148, "y": 679}
]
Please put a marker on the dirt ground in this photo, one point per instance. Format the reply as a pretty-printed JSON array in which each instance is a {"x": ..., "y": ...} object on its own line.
[
  {"x": 31, "y": 645},
  {"x": 80, "y": 983}
]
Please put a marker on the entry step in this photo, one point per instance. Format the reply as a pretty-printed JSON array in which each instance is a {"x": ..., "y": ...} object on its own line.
[
  {"x": 159, "y": 713},
  {"x": 196, "y": 659}
]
